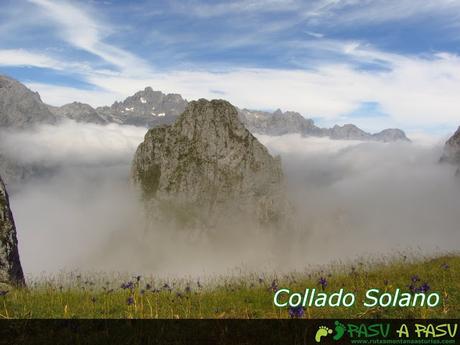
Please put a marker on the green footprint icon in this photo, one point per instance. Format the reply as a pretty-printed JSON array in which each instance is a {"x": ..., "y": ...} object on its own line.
[
  {"x": 339, "y": 330},
  {"x": 323, "y": 331}
]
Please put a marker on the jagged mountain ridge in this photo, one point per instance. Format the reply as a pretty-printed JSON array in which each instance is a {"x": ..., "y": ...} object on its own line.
[
  {"x": 289, "y": 122},
  {"x": 146, "y": 108},
  {"x": 151, "y": 108}
]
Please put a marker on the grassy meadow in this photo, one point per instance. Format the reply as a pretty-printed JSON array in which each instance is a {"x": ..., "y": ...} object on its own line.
[{"x": 73, "y": 295}]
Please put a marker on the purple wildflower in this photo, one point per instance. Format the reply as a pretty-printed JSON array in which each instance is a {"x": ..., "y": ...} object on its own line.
[
  {"x": 130, "y": 300},
  {"x": 424, "y": 288},
  {"x": 415, "y": 278},
  {"x": 128, "y": 285},
  {"x": 323, "y": 282},
  {"x": 445, "y": 266},
  {"x": 296, "y": 312}
]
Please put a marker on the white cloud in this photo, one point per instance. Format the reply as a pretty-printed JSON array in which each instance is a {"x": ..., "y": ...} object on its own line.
[
  {"x": 413, "y": 92},
  {"x": 81, "y": 30},
  {"x": 59, "y": 95},
  {"x": 351, "y": 12},
  {"x": 73, "y": 143},
  {"x": 200, "y": 9},
  {"x": 21, "y": 57}
]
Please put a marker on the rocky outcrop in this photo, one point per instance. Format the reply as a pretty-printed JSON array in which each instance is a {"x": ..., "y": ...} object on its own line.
[
  {"x": 10, "y": 265},
  {"x": 79, "y": 112},
  {"x": 452, "y": 149},
  {"x": 146, "y": 108},
  {"x": 20, "y": 107},
  {"x": 207, "y": 167}
]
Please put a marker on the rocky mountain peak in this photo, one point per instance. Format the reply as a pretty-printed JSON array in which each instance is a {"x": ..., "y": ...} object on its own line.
[
  {"x": 348, "y": 132},
  {"x": 80, "y": 112},
  {"x": 10, "y": 265},
  {"x": 21, "y": 107},
  {"x": 390, "y": 135},
  {"x": 146, "y": 108},
  {"x": 207, "y": 166}
]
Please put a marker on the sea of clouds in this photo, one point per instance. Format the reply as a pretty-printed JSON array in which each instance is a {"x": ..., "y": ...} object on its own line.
[{"x": 350, "y": 198}]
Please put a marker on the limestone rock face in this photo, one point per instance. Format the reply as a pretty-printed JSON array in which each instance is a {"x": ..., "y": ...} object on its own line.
[
  {"x": 207, "y": 166},
  {"x": 10, "y": 265},
  {"x": 452, "y": 149},
  {"x": 20, "y": 107}
]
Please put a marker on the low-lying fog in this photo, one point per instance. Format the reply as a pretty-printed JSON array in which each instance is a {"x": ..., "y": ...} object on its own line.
[{"x": 352, "y": 199}]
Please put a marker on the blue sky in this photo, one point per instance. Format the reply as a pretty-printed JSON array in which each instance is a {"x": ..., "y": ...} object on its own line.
[{"x": 376, "y": 63}]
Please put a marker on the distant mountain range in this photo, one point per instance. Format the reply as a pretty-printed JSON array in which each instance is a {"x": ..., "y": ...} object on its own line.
[{"x": 23, "y": 108}]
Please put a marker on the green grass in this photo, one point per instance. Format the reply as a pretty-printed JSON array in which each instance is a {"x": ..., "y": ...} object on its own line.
[{"x": 248, "y": 296}]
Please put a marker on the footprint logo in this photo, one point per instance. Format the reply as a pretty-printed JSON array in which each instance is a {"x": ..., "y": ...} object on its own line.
[
  {"x": 323, "y": 331},
  {"x": 339, "y": 331}
]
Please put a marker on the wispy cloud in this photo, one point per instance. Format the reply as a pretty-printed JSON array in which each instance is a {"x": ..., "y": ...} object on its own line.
[
  {"x": 21, "y": 57},
  {"x": 81, "y": 30},
  {"x": 223, "y": 8}
]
